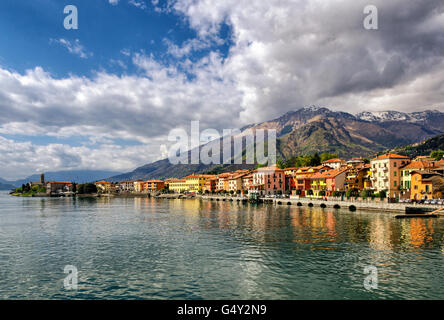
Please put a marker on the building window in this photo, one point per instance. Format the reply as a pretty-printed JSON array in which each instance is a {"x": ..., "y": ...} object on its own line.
[
  {"x": 394, "y": 164},
  {"x": 394, "y": 184}
]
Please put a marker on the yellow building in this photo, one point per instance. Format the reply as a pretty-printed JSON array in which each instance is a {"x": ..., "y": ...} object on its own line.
[
  {"x": 104, "y": 186},
  {"x": 318, "y": 184},
  {"x": 196, "y": 182},
  {"x": 406, "y": 178},
  {"x": 139, "y": 186},
  {"x": 177, "y": 185},
  {"x": 426, "y": 185}
]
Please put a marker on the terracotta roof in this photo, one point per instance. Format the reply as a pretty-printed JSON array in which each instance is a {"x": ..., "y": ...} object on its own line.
[
  {"x": 305, "y": 176},
  {"x": 320, "y": 167},
  {"x": 418, "y": 165},
  {"x": 176, "y": 180},
  {"x": 155, "y": 181},
  {"x": 103, "y": 182},
  {"x": 426, "y": 172},
  {"x": 65, "y": 182},
  {"x": 198, "y": 176},
  {"x": 238, "y": 176},
  {"x": 332, "y": 160},
  {"x": 273, "y": 168},
  {"x": 328, "y": 174},
  {"x": 390, "y": 156}
]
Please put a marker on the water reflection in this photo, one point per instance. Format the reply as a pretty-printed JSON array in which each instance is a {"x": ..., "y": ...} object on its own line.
[{"x": 190, "y": 249}]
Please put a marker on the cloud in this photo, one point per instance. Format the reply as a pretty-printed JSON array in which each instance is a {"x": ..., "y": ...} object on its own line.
[
  {"x": 24, "y": 158},
  {"x": 109, "y": 111},
  {"x": 287, "y": 54},
  {"x": 284, "y": 54},
  {"x": 73, "y": 47},
  {"x": 138, "y": 4}
]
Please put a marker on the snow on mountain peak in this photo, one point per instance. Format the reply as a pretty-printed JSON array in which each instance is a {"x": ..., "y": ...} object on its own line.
[{"x": 383, "y": 116}]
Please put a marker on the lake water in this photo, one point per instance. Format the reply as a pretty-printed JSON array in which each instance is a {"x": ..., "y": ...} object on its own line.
[{"x": 190, "y": 249}]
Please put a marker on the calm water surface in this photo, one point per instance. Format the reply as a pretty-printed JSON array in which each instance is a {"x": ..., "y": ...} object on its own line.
[{"x": 191, "y": 249}]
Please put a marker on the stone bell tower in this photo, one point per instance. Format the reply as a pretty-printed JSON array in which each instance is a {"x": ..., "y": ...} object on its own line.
[{"x": 42, "y": 178}]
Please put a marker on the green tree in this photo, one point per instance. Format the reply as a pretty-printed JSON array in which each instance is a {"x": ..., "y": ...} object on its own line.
[
  {"x": 90, "y": 188},
  {"x": 261, "y": 165},
  {"x": 437, "y": 155},
  {"x": 280, "y": 164},
  {"x": 352, "y": 193},
  {"x": 383, "y": 194},
  {"x": 315, "y": 160},
  {"x": 337, "y": 193},
  {"x": 327, "y": 156},
  {"x": 366, "y": 194}
]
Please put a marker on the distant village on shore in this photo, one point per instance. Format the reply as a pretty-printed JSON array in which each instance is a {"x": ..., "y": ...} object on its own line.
[{"x": 389, "y": 175}]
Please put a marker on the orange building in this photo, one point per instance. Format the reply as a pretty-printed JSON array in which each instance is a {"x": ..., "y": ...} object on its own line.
[
  {"x": 210, "y": 185},
  {"x": 153, "y": 185},
  {"x": 269, "y": 181},
  {"x": 426, "y": 185}
]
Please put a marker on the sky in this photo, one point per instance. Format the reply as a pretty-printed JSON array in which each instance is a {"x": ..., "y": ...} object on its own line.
[{"x": 106, "y": 95}]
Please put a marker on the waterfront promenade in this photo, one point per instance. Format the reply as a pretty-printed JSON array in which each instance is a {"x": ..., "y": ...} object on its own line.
[{"x": 336, "y": 203}]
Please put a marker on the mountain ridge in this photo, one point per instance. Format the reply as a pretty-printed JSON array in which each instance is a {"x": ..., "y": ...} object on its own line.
[
  {"x": 79, "y": 176},
  {"x": 319, "y": 129}
]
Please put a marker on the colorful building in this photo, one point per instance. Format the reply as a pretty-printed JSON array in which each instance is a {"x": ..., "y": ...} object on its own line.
[
  {"x": 334, "y": 163},
  {"x": 386, "y": 175},
  {"x": 58, "y": 187},
  {"x": 127, "y": 186},
  {"x": 223, "y": 182},
  {"x": 269, "y": 181},
  {"x": 426, "y": 184},
  {"x": 210, "y": 185},
  {"x": 178, "y": 185},
  {"x": 406, "y": 178},
  {"x": 328, "y": 181},
  {"x": 235, "y": 182},
  {"x": 358, "y": 177},
  {"x": 104, "y": 186},
  {"x": 153, "y": 185},
  {"x": 247, "y": 182},
  {"x": 196, "y": 182},
  {"x": 139, "y": 186}
]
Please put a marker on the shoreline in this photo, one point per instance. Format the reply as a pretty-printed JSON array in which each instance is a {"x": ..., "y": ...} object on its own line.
[{"x": 302, "y": 202}]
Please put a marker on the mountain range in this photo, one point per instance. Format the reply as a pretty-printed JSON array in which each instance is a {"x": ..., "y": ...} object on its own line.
[
  {"x": 79, "y": 176},
  {"x": 314, "y": 129}
]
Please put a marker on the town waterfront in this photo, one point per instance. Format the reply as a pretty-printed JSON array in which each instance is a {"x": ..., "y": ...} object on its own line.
[{"x": 146, "y": 248}]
